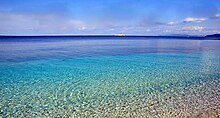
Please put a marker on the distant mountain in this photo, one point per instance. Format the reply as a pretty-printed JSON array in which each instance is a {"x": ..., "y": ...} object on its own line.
[
  {"x": 168, "y": 36},
  {"x": 180, "y": 35},
  {"x": 213, "y": 37}
]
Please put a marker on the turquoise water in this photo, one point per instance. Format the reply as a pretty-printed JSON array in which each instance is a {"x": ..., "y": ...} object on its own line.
[{"x": 109, "y": 78}]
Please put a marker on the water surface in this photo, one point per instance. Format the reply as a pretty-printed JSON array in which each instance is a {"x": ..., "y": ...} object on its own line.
[{"x": 109, "y": 77}]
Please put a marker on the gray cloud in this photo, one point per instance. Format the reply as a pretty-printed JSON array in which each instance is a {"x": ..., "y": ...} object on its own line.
[
  {"x": 216, "y": 15},
  {"x": 193, "y": 28},
  {"x": 194, "y": 20}
]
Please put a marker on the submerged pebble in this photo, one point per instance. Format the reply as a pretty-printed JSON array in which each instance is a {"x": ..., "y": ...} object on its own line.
[{"x": 145, "y": 85}]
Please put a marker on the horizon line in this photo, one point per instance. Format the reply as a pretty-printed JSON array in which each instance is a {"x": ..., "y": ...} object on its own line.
[
  {"x": 142, "y": 35},
  {"x": 174, "y": 34}
]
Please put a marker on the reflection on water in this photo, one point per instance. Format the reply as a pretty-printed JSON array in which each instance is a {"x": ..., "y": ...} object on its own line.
[
  {"x": 110, "y": 78},
  {"x": 20, "y": 51}
]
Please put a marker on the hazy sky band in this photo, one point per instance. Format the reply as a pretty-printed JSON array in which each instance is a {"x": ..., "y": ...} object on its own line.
[{"x": 149, "y": 17}]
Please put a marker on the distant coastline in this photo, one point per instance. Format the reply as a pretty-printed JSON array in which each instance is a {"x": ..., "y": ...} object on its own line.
[
  {"x": 207, "y": 37},
  {"x": 213, "y": 37}
]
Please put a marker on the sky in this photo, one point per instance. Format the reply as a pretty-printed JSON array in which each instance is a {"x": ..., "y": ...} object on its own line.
[{"x": 138, "y": 17}]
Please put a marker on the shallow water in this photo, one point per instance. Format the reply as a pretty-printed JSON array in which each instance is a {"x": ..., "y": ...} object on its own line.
[{"x": 109, "y": 78}]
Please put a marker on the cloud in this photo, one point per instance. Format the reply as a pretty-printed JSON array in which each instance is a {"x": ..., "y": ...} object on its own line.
[
  {"x": 172, "y": 23},
  {"x": 194, "y": 20},
  {"x": 216, "y": 15},
  {"x": 193, "y": 28},
  {"x": 38, "y": 23}
]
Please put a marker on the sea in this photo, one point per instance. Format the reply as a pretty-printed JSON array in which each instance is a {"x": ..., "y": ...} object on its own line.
[{"x": 112, "y": 77}]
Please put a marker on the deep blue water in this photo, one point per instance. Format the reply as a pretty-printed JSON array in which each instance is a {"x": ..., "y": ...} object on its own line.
[{"x": 109, "y": 77}]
